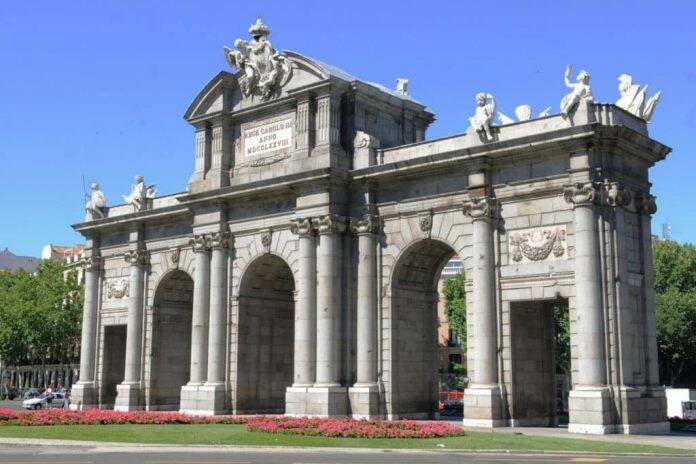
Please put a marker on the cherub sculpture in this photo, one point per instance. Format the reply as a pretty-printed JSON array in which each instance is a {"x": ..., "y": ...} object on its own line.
[
  {"x": 633, "y": 98},
  {"x": 263, "y": 68},
  {"x": 140, "y": 194},
  {"x": 580, "y": 91},
  {"x": 482, "y": 119},
  {"x": 96, "y": 203}
]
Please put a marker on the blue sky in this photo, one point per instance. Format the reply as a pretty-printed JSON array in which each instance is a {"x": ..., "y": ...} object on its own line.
[{"x": 99, "y": 88}]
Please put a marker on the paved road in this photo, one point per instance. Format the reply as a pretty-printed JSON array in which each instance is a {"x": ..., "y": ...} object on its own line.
[{"x": 14, "y": 454}]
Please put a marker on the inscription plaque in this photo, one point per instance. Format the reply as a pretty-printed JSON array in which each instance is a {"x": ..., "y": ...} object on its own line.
[{"x": 268, "y": 138}]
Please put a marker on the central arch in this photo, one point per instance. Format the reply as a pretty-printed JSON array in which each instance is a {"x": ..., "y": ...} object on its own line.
[
  {"x": 266, "y": 336},
  {"x": 171, "y": 340},
  {"x": 414, "y": 297}
]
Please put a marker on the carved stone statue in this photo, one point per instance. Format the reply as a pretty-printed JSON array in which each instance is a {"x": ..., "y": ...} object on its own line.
[
  {"x": 633, "y": 98},
  {"x": 140, "y": 194},
  {"x": 482, "y": 119},
  {"x": 96, "y": 203},
  {"x": 580, "y": 91},
  {"x": 523, "y": 113},
  {"x": 262, "y": 67},
  {"x": 402, "y": 85}
]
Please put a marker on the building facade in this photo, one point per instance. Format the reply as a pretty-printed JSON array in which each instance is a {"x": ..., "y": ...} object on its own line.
[{"x": 298, "y": 272}]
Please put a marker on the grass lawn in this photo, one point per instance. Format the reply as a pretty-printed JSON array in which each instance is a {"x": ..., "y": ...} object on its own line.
[{"x": 238, "y": 435}]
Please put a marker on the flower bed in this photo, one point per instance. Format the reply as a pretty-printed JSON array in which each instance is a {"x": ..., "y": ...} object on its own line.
[
  {"x": 349, "y": 428},
  {"x": 99, "y": 416}
]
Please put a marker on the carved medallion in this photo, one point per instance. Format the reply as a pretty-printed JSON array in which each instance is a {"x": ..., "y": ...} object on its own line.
[
  {"x": 538, "y": 244},
  {"x": 266, "y": 239}
]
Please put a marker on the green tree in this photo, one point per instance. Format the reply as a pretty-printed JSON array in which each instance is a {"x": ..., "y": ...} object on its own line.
[
  {"x": 40, "y": 315},
  {"x": 455, "y": 304},
  {"x": 675, "y": 308},
  {"x": 561, "y": 322}
]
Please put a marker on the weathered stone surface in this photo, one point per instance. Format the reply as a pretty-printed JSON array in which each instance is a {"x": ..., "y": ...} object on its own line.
[{"x": 297, "y": 273}]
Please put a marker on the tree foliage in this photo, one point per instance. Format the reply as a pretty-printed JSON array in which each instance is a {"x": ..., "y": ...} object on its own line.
[
  {"x": 455, "y": 304},
  {"x": 40, "y": 315},
  {"x": 675, "y": 309},
  {"x": 561, "y": 322}
]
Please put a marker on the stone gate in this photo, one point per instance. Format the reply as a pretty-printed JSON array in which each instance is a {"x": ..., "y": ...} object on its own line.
[{"x": 298, "y": 272}]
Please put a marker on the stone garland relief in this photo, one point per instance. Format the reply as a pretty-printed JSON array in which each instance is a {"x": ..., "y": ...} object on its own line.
[
  {"x": 538, "y": 244},
  {"x": 117, "y": 289}
]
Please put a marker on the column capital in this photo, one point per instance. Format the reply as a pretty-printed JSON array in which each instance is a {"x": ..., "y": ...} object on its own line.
[
  {"x": 138, "y": 256},
  {"x": 645, "y": 204},
  {"x": 302, "y": 226},
  {"x": 482, "y": 207},
  {"x": 329, "y": 223},
  {"x": 200, "y": 242},
  {"x": 367, "y": 224},
  {"x": 616, "y": 194},
  {"x": 581, "y": 194},
  {"x": 92, "y": 263},
  {"x": 219, "y": 240}
]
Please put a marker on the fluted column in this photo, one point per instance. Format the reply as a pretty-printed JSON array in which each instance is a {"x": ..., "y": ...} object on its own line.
[
  {"x": 92, "y": 267},
  {"x": 217, "y": 341},
  {"x": 328, "y": 301},
  {"x": 134, "y": 331},
  {"x": 305, "y": 305},
  {"x": 366, "y": 228},
  {"x": 199, "y": 322},
  {"x": 480, "y": 209},
  {"x": 588, "y": 287}
]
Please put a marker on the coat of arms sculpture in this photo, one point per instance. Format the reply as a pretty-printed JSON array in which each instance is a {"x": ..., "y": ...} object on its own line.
[{"x": 262, "y": 67}]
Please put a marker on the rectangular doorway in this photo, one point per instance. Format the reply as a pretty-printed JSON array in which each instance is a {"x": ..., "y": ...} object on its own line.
[
  {"x": 114, "y": 362},
  {"x": 532, "y": 336}
]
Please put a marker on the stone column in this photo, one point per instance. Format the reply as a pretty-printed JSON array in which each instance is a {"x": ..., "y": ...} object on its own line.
[
  {"x": 296, "y": 397},
  {"x": 327, "y": 125},
  {"x": 84, "y": 392},
  {"x": 329, "y": 398},
  {"x": 482, "y": 400},
  {"x": 217, "y": 335},
  {"x": 191, "y": 394},
  {"x": 304, "y": 137},
  {"x": 589, "y": 401},
  {"x": 364, "y": 397},
  {"x": 646, "y": 208},
  {"x": 128, "y": 392}
]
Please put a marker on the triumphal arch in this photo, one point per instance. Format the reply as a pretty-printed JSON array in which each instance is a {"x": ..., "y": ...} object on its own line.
[{"x": 298, "y": 272}]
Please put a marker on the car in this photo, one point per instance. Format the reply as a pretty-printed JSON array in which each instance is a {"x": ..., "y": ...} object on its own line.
[
  {"x": 53, "y": 400},
  {"x": 32, "y": 393}
]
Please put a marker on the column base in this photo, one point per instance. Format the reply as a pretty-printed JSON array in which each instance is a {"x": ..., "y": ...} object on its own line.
[
  {"x": 83, "y": 396},
  {"x": 590, "y": 411},
  {"x": 643, "y": 411},
  {"x": 327, "y": 401},
  {"x": 364, "y": 401},
  {"x": 204, "y": 400},
  {"x": 483, "y": 407},
  {"x": 128, "y": 397},
  {"x": 297, "y": 401}
]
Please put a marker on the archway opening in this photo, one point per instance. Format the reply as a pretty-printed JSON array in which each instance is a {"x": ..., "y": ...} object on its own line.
[
  {"x": 415, "y": 353},
  {"x": 171, "y": 341},
  {"x": 265, "y": 336}
]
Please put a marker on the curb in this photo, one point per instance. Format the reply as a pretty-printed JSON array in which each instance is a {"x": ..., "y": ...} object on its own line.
[{"x": 107, "y": 447}]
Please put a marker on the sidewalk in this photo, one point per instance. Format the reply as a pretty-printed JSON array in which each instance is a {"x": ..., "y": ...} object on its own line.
[{"x": 681, "y": 440}]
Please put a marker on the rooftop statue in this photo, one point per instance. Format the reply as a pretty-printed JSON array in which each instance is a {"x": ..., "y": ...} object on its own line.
[
  {"x": 482, "y": 120},
  {"x": 633, "y": 98},
  {"x": 580, "y": 90},
  {"x": 523, "y": 113},
  {"x": 96, "y": 203},
  {"x": 140, "y": 194},
  {"x": 402, "y": 85},
  {"x": 263, "y": 68}
]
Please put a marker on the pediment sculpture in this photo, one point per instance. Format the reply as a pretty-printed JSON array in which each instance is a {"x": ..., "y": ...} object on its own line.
[{"x": 263, "y": 68}]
